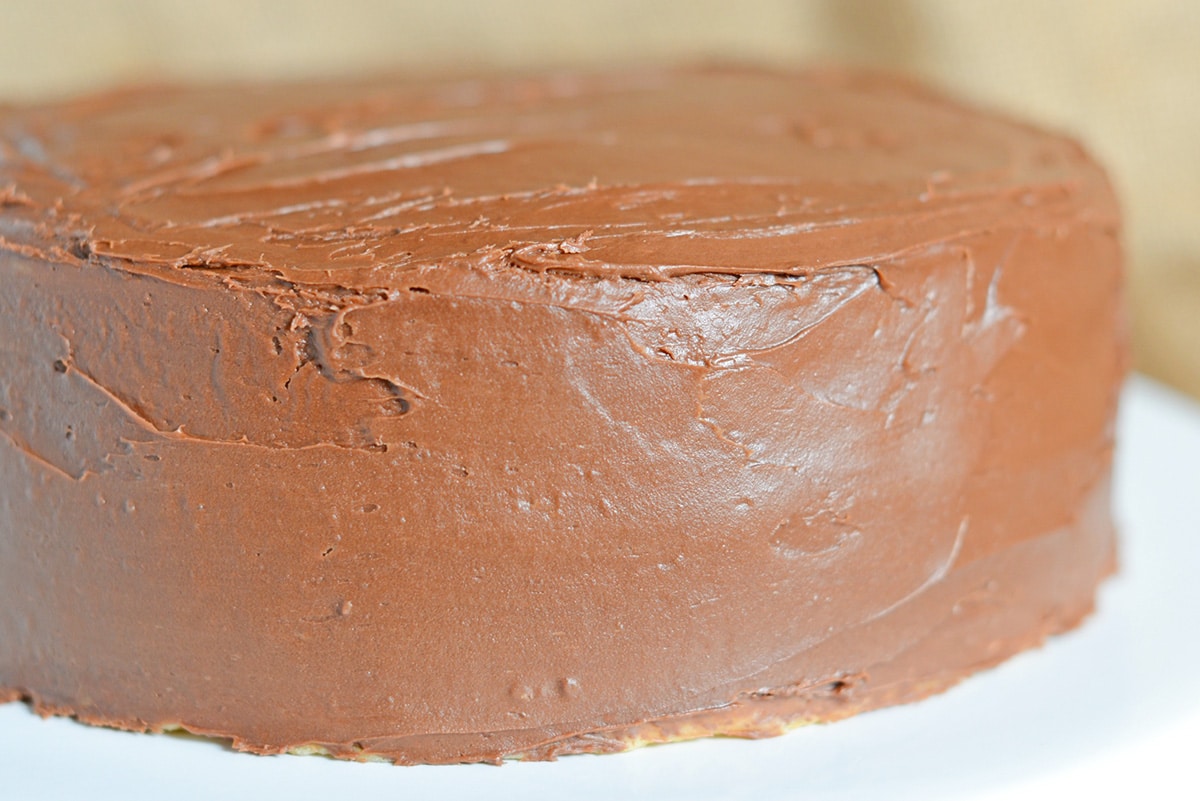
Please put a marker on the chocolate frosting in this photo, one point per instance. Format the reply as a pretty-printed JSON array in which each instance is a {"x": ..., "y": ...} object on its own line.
[{"x": 448, "y": 420}]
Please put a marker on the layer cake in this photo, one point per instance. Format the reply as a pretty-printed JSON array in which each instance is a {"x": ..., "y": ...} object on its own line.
[{"x": 459, "y": 419}]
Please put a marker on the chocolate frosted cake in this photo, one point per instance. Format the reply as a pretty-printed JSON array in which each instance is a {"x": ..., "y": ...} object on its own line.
[{"x": 453, "y": 420}]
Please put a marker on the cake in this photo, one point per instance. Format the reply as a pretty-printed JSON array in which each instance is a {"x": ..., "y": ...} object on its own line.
[{"x": 460, "y": 419}]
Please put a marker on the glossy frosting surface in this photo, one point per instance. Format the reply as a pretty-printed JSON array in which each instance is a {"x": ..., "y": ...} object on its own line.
[
  {"x": 646, "y": 173},
  {"x": 452, "y": 419}
]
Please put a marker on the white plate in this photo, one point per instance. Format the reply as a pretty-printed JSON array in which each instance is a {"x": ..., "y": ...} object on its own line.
[{"x": 1102, "y": 710}]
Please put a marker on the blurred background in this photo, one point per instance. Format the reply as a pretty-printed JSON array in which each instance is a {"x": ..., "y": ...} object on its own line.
[{"x": 1122, "y": 75}]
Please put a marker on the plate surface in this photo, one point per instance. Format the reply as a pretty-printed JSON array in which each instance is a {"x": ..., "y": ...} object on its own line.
[{"x": 1111, "y": 710}]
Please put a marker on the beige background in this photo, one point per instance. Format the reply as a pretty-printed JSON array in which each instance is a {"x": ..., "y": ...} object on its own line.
[{"x": 1124, "y": 75}]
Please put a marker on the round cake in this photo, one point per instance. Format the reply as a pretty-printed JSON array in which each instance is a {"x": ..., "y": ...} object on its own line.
[{"x": 459, "y": 419}]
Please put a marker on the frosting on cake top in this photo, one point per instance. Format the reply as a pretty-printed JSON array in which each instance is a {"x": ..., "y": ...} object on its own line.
[{"x": 644, "y": 174}]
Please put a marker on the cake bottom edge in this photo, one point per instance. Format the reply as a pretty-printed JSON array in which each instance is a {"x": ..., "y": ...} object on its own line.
[
  {"x": 983, "y": 612},
  {"x": 758, "y": 715}
]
